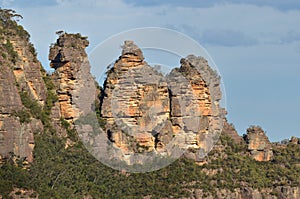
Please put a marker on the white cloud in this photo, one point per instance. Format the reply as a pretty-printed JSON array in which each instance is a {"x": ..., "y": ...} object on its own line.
[
  {"x": 6, "y": 2},
  {"x": 278, "y": 4},
  {"x": 217, "y": 36},
  {"x": 27, "y": 3}
]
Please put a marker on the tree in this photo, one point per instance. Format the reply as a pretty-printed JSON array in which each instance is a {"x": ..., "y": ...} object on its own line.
[{"x": 9, "y": 15}]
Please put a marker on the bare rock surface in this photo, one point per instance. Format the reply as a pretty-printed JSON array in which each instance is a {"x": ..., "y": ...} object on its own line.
[
  {"x": 145, "y": 111},
  {"x": 71, "y": 76},
  {"x": 258, "y": 144},
  {"x": 20, "y": 73}
]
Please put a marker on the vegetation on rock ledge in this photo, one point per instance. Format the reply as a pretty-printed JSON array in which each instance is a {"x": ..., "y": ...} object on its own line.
[{"x": 61, "y": 173}]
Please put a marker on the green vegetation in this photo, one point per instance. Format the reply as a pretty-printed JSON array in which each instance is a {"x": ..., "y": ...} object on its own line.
[
  {"x": 240, "y": 170},
  {"x": 71, "y": 132},
  {"x": 34, "y": 108},
  {"x": 37, "y": 111},
  {"x": 9, "y": 17},
  {"x": 73, "y": 173},
  {"x": 51, "y": 94},
  {"x": 23, "y": 115},
  {"x": 11, "y": 176},
  {"x": 11, "y": 53},
  {"x": 8, "y": 28},
  {"x": 9, "y": 25}
]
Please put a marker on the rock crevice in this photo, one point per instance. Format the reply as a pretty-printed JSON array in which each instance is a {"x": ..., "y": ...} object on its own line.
[
  {"x": 145, "y": 110},
  {"x": 69, "y": 59}
]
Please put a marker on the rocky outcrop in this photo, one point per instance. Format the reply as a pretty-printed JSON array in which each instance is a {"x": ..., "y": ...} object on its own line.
[
  {"x": 258, "y": 144},
  {"x": 136, "y": 102},
  {"x": 230, "y": 131},
  {"x": 69, "y": 59},
  {"x": 146, "y": 111},
  {"x": 195, "y": 110},
  {"x": 20, "y": 74}
]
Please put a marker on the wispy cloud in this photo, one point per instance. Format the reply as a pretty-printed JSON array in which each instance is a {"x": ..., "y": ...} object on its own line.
[
  {"x": 217, "y": 36},
  {"x": 28, "y": 3},
  {"x": 278, "y": 4},
  {"x": 227, "y": 38},
  {"x": 290, "y": 37}
]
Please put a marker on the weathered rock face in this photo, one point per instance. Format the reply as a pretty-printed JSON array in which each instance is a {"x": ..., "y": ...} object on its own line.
[
  {"x": 195, "y": 111},
  {"x": 139, "y": 104},
  {"x": 230, "y": 131},
  {"x": 14, "y": 136},
  {"x": 69, "y": 59},
  {"x": 144, "y": 110},
  {"x": 258, "y": 144},
  {"x": 20, "y": 73},
  {"x": 27, "y": 70}
]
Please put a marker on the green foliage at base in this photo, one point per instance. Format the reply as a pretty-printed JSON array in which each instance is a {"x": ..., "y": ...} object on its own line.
[
  {"x": 12, "y": 175},
  {"x": 73, "y": 173},
  {"x": 239, "y": 169}
]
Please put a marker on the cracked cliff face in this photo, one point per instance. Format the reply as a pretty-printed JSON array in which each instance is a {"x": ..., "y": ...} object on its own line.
[
  {"x": 134, "y": 102},
  {"x": 144, "y": 111},
  {"x": 69, "y": 59},
  {"x": 20, "y": 73},
  {"x": 195, "y": 95}
]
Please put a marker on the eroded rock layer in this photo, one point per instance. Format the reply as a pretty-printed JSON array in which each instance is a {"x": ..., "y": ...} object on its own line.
[
  {"x": 145, "y": 111},
  {"x": 258, "y": 143},
  {"x": 21, "y": 81},
  {"x": 69, "y": 59}
]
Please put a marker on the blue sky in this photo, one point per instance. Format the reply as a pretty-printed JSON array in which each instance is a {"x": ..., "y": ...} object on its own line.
[{"x": 255, "y": 44}]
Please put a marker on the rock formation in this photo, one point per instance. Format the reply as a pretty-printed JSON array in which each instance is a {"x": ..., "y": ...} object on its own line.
[
  {"x": 195, "y": 105},
  {"x": 230, "y": 131},
  {"x": 141, "y": 112},
  {"x": 20, "y": 76},
  {"x": 71, "y": 76},
  {"x": 135, "y": 97},
  {"x": 258, "y": 143},
  {"x": 145, "y": 111}
]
